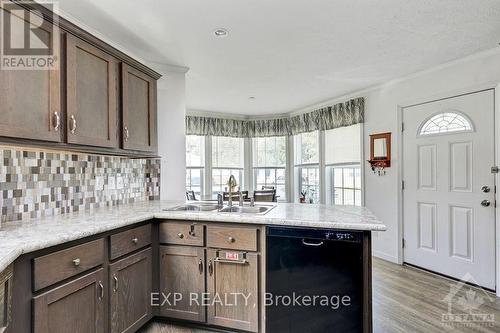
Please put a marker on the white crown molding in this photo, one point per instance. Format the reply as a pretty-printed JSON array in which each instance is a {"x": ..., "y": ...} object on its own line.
[{"x": 165, "y": 68}]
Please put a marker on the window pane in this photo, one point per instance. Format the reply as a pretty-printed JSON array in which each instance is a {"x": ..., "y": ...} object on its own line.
[
  {"x": 195, "y": 150},
  {"x": 220, "y": 178},
  {"x": 269, "y": 152},
  {"x": 227, "y": 152},
  {"x": 306, "y": 148},
  {"x": 309, "y": 183},
  {"x": 194, "y": 180},
  {"x": 345, "y": 186},
  {"x": 348, "y": 197},
  {"x": 343, "y": 145}
]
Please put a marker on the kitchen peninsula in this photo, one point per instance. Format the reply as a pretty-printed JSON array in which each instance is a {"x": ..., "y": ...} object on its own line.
[{"x": 100, "y": 258}]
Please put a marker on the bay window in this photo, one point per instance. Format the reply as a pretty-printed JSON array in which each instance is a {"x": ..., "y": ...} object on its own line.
[
  {"x": 195, "y": 163},
  {"x": 307, "y": 166},
  {"x": 269, "y": 164},
  {"x": 227, "y": 159}
]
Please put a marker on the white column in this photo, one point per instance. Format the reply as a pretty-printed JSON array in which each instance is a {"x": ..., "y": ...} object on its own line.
[{"x": 171, "y": 130}]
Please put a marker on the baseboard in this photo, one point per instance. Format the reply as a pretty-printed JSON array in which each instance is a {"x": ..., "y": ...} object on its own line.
[{"x": 385, "y": 256}]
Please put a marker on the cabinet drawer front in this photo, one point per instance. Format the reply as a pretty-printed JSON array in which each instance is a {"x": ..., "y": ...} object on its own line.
[
  {"x": 130, "y": 240},
  {"x": 181, "y": 233},
  {"x": 63, "y": 264},
  {"x": 235, "y": 238}
]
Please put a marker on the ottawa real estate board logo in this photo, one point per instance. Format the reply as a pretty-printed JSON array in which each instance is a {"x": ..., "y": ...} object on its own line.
[{"x": 29, "y": 35}]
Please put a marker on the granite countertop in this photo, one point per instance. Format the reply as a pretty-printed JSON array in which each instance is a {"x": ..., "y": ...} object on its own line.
[{"x": 21, "y": 237}]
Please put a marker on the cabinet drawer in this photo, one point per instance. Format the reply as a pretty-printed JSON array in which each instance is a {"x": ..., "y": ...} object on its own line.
[
  {"x": 130, "y": 240},
  {"x": 235, "y": 238},
  {"x": 63, "y": 264},
  {"x": 181, "y": 233}
]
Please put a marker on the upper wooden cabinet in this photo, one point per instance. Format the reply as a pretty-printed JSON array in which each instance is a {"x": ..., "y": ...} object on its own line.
[
  {"x": 139, "y": 110},
  {"x": 91, "y": 87},
  {"x": 30, "y": 103}
]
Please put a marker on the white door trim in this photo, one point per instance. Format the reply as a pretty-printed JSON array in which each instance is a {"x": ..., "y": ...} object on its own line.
[{"x": 400, "y": 171}]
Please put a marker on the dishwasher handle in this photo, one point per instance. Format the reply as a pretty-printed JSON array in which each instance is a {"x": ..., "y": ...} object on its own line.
[{"x": 312, "y": 244}]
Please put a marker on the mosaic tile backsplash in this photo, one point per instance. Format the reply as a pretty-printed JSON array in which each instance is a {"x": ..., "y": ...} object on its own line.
[{"x": 35, "y": 183}]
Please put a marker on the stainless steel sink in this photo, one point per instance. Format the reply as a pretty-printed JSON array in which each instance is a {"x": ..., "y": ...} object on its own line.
[
  {"x": 195, "y": 207},
  {"x": 213, "y": 207},
  {"x": 258, "y": 210}
]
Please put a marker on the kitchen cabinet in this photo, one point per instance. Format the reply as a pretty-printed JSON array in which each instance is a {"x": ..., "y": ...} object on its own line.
[
  {"x": 239, "y": 275},
  {"x": 77, "y": 305},
  {"x": 131, "y": 285},
  {"x": 139, "y": 130},
  {"x": 182, "y": 271},
  {"x": 91, "y": 88},
  {"x": 30, "y": 99},
  {"x": 5, "y": 298}
]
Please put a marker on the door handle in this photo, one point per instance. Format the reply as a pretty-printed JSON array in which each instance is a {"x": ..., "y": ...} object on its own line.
[
  {"x": 101, "y": 296},
  {"x": 115, "y": 278},
  {"x": 200, "y": 266},
  {"x": 210, "y": 267},
  {"x": 312, "y": 244},
  {"x": 485, "y": 203}
]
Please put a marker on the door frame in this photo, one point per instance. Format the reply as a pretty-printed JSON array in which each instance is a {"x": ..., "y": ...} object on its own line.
[{"x": 495, "y": 86}]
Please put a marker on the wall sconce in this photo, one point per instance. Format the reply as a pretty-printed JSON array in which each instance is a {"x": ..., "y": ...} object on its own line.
[{"x": 380, "y": 152}]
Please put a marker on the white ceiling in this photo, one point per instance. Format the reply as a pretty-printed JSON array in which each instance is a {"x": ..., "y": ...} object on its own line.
[{"x": 291, "y": 53}]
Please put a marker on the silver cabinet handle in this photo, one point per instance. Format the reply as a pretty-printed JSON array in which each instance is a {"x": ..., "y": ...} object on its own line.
[
  {"x": 231, "y": 239},
  {"x": 200, "y": 266},
  {"x": 76, "y": 262},
  {"x": 126, "y": 133},
  {"x": 228, "y": 261},
  {"x": 210, "y": 267},
  {"x": 57, "y": 125},
  {"x": 73, "y": 125},
  {"x": 115, "y": 278},
  {"x": 180, "y": 235},
  {"x": 101, "y": 296},
  {"x": 485, "y": 203},
  {"x": 135, "y": 240},
  {"x": 311, "y": 244}
]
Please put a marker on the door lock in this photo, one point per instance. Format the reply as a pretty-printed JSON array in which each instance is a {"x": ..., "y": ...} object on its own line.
[
  {"x": 485, "y": 203},
  {"x": 485, "y": 189}
]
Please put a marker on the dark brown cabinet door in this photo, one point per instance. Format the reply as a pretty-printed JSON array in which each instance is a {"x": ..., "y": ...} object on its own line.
[
  {"x": 239, "y": 275},
  {"x": 30, "y": 99},
  {"x": 139, "y": 110},
  {"x": 182, "y": 271},
  {"x": 77, "y": 306},
  {"x": 131, "y": 285},
  {"x": 91, "y": 87}
]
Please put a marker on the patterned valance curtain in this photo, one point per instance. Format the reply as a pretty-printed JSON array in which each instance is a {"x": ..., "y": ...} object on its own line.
[{"x": 330, "y": 117}]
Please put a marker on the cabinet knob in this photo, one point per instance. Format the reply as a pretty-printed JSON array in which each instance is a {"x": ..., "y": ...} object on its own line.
[
  {"x": 180, "y": 235},
  {"x": 76, "y": 262},
  {"x": 231, "y": 239},
  {"x": 135, "y": 240},
  {"x": 72, "y": 127},
  {"x": 57, "y": 124}
]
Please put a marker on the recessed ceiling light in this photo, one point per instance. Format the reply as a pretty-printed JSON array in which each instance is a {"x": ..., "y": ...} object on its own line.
[
  {"x": 221, "y": 32},
  {"x": 251, "y": 97}
]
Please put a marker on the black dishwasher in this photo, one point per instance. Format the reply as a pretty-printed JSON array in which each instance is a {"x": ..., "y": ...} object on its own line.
[{"x": 314, "y": 280}]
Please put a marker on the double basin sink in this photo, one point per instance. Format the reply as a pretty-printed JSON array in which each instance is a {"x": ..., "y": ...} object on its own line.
[{"x": 201, "y": 206}]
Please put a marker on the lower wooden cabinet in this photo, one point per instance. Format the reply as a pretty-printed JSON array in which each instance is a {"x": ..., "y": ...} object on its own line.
[
  {"x": 239, "y": 274},
  {"x": 130, "y": 280},
  {"x": 77, "y": 306},
  {"x": 182, "y": 272}
]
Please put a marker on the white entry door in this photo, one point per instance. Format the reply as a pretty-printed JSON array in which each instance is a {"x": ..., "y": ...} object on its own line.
[{"x": 449, "y": 194}]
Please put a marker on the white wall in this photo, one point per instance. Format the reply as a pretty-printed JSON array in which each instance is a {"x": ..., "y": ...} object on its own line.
[{"x": 171, "y": 131}]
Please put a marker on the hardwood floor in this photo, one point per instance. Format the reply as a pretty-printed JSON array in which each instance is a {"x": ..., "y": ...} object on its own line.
[{"x": 406, "y": 299}]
